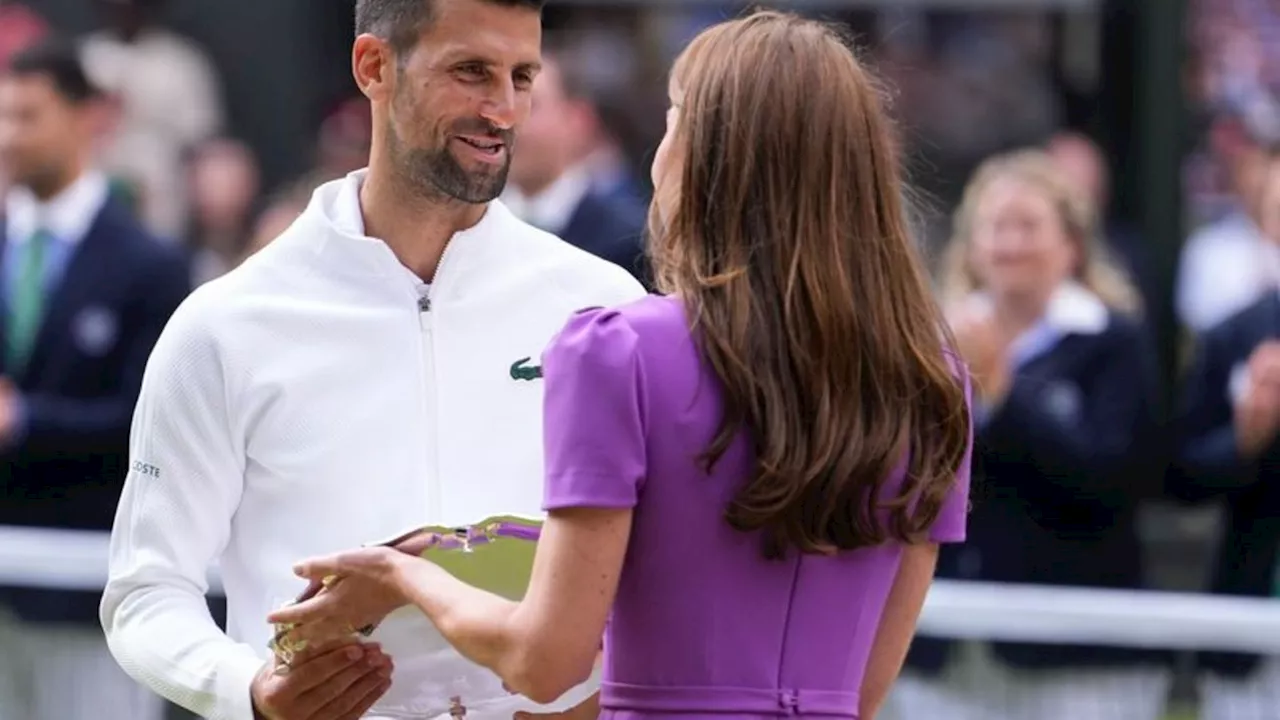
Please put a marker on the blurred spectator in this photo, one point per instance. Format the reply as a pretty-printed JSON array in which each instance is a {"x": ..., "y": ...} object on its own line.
[
  {"x": 87, "y": 291},
  {"x": 1081, "y": 161},
  {"x": 1066, "y": 395},
  {"x": 605, "y": 70},
  {"x": 280, "y": 212},
  {"x": 20, "y": 27},
  {"x": 170, "y": 100},
  {"x": 552, "y": 187},
  {"x": 1226, "y": 265},
  {"x": 345, "y": 137},
  {"x": 1229, "y": 437},
  {"x": 224, "y": 186}
]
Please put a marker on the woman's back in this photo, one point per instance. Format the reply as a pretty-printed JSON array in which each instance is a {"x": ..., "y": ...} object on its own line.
[{"x": 703, "y": 622}]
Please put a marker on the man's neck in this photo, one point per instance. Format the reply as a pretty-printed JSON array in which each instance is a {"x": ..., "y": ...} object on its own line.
[
  {"x": 415, "y": 228},
  {"x": 51, "y": 187}
]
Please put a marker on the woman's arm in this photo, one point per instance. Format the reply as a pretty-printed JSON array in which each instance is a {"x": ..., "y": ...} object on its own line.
[
  {"x": 595, "y": 462},
  {"x": 897, "y": 626},
  {"x": 546, "y": 644}
]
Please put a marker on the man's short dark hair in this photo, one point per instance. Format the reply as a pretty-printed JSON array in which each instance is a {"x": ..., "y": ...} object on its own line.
[
  {"x": 401, "y": 22},
  {"x": 58, "y": 60}
]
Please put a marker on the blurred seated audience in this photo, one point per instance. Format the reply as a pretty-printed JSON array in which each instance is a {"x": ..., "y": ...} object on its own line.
[
  {"x": 170, "y": 100},
  {"x": 224, "y": 185},
  {"x": 344, "y": 139},
  {"x": 20, "y": 27},
  {"x": 280, "y": 211},
  {"x": 1228, "y": 426},
  {"x": 1226, "y": 265},
  {"x": 1066, "y": 411}
]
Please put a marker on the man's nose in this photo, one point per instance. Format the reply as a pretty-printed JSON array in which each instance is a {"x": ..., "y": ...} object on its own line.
[{"x": 500, "y": 107}]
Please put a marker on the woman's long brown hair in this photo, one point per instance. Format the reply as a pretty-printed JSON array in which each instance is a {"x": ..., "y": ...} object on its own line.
[{"x": 788, "y": 242}]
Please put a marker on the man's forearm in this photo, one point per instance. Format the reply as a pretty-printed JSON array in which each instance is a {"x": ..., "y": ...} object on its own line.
[{"x": 167, "y": 641}]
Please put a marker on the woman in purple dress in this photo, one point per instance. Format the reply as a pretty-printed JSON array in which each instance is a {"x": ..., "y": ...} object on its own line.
[{"x": 747, "y": 478}]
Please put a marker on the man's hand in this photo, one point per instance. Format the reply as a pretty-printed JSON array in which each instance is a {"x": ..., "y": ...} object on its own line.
[
  {"x": 1257, "y": 412},
  {"x": 339, "y": 682},
  {"x": 9, "y": 400}
]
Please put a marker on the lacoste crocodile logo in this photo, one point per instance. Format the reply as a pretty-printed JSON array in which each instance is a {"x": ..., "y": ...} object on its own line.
[{"x": 522, "y": 370}]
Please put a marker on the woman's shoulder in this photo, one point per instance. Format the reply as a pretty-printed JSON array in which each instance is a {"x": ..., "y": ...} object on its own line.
[
  {"x": 649, "y": 320},
  {"x": 644, "y": 337}
]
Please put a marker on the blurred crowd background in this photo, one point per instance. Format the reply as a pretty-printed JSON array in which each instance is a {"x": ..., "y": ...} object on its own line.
[{"x": 1124, "y": 151}]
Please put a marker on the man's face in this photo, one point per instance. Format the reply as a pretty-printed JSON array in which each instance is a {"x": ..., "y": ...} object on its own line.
[
  {"x": 40, "y": 131},
  {"x": 459, "y": 97}
]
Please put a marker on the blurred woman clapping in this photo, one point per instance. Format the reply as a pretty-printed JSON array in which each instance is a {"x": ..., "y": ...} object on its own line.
[{"x": 1066, "y": 395}]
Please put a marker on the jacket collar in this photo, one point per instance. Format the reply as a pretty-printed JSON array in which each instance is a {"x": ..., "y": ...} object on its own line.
[
  {"x": 1072, "y": 310},
  {"x": 333, "y": 225}
]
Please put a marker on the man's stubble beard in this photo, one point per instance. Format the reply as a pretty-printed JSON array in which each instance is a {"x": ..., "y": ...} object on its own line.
[{"x": 436, "y": 175}]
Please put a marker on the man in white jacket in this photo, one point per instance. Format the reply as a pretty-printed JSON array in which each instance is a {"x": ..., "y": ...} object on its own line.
[{"x": 373, "y": 369}]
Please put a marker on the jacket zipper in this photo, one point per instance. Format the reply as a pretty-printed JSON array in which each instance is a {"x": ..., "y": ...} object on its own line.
[
  {"x": 430, "y": 394},
  {"x": 430, "y": 404}
]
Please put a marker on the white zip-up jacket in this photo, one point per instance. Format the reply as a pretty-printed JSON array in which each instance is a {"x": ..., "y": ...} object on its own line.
[{"x": 321, "y": 397}]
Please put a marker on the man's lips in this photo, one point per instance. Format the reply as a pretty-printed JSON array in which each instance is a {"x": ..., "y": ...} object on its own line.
[{"x": 484, "y": 143}]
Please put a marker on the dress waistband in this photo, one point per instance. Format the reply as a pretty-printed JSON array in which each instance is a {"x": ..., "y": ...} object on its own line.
[{"x": 758, "y": 701}]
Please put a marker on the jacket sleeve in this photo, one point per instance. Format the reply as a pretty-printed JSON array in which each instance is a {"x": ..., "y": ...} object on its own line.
[
  {"x": 183, "y": 487},
  {"x": 1207, "y": 461},
  {"x": 1103, "y": 452}
]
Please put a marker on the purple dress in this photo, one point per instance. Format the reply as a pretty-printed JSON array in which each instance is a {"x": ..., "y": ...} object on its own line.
[{"x": 702, "y": 625}]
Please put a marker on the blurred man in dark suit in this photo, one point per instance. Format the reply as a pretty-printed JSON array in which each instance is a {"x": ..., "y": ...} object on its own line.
[
  {"x": 553, "y": 188},
  {"x": 84, "y": 293}
]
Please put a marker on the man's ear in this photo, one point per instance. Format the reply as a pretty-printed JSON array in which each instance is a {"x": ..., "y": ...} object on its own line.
[{"x": 373, "y": 66}]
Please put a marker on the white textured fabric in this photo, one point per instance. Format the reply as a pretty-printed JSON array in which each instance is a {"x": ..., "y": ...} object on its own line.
[{"x": 303, "y": 404}]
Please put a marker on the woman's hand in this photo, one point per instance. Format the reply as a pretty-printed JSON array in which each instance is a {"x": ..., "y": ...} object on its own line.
[{"x": 360, "y": 588}]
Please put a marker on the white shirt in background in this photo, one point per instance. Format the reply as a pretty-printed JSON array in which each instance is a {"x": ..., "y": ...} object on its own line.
[
  {"x": 1224, "y": 267},
  {"x": 553, "y": 208}
]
